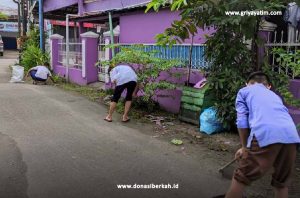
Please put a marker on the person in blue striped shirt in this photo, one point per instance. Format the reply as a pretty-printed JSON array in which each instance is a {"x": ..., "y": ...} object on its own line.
[{"x": 268, "y": 136}]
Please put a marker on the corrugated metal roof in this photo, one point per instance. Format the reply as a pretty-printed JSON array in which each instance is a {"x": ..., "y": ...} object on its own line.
[{"x": 143, "y": 4}]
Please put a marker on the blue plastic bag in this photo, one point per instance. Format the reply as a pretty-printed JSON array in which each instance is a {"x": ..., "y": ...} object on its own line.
[{"x": 209, "y": 123}]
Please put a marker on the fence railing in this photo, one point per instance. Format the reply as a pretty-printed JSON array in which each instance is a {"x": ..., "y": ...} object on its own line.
[
  {"x": 290, "y": 43},
  {"x": 176, "y": 52},
  {"x": 47, "y": 48},
  {"x": 75, "y": 55}
]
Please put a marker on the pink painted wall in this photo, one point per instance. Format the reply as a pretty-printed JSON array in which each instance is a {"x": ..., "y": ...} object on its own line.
[
  {"x": 169, "y": 100},
  {"x": 139, "y": 27},
  {"x": 172, "y": 102},
  {"x": 74, "y": 74}
]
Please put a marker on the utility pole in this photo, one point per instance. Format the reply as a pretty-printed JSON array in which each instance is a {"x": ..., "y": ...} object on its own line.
[
  {"x": 19, "y": 16},
  {"x": 24, "y": 16},
  {"x": 41, "y": 24},
  {"x": 111, "y": 33}
]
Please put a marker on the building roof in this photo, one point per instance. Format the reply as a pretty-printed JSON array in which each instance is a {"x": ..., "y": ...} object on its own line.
[{"x": 121, "y": 6}]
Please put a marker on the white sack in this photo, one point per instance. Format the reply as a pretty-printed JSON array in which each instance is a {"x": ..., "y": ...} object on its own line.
[{"x": 17, "y": 74}]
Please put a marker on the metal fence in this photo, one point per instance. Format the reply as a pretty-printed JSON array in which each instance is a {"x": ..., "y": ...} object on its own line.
[
  {"x": 47, "y": 48},
  {"x": 75, "y": 55},
  {"x": 286, "y": 42},
  {"x": 176, "y": 52}
]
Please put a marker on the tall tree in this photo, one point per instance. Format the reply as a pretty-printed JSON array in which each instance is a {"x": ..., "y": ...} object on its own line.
[{"x": 232, "y": 59}]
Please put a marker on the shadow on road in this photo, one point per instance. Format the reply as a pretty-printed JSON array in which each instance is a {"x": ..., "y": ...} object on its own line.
[{"x": 13, "y": 182}]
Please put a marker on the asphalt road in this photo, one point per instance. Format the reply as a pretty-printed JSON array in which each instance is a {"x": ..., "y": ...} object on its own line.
[{"x": 55, "y": 144}]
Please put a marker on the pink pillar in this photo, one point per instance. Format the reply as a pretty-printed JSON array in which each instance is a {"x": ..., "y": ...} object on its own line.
[
  {"x": 89, "y": 56},
  {"x": 80, "y": 7},
  {"x": 55, "y": 39},
  {"x": 266, "y": 28}
]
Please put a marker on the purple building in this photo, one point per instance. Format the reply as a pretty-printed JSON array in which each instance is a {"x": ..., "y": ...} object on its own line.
[{"x": 131, "y": 26}]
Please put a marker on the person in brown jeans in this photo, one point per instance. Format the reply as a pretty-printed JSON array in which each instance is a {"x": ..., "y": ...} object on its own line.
[{"x": 268, "y": 136}]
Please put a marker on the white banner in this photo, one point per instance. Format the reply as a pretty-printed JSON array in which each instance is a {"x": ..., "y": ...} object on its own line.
[{"x": 8, "y": 26}]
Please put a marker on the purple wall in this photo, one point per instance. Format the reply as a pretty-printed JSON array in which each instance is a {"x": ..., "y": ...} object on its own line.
[
  {"x": 135, "y": 27},
  {"x": 295, "y": 88},
  {"x": 74, "y": 74},
  {"x": 50, "y": 5},
  {"x": 169, "y": 100},
  {"x": 91, "y": 54},
  {"x": 139, "y": 27}
]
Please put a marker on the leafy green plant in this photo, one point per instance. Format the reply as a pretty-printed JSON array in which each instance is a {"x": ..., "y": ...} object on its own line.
[
  {"x": 288, "y": 60},
  {"x": 31, "y": 54},
  {"x": 3, "y": 16},
  {"x": 57, "y": 78},
  {"x": 280, "y": 80},
  {"x": 148, "y": 68},
  {"x": 232, "y": 59},
  {"x": 32, "y": 38}
]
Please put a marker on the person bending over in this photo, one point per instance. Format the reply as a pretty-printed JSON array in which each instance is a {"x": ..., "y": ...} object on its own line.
[
  {"x": 124, "y": 77},
  {"x": 268, "y": 136},
  {"x": 40, "y": 73}
]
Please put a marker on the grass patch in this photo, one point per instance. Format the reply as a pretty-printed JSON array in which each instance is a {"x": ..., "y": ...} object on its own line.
[
  {"x": 91, "y": 93},
  {"x": 139, "y": 108}
]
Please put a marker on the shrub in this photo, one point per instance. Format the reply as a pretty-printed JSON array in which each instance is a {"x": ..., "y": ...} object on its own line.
[
  {"x": 32, "y": 57},
  {"x": 232, "y": 60},
  {"x": 31, "y": 54},
  {"x": 3, "y": 16},
  {"x": 148, "y": 69}
]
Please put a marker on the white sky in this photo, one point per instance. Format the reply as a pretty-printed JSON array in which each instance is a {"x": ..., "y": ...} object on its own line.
[{"x": 8, "y": 3}]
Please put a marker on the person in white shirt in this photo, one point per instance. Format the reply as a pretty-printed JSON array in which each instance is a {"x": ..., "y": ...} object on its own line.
[
  {"x": 40, "y": 73},
  {"x": 124, "y": 77}
]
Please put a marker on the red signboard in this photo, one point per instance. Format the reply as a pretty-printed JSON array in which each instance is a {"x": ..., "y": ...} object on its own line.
[{"x": 72, "y": 24}]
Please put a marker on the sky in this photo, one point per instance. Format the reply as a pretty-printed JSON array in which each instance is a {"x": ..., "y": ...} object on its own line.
[{"x": 8, "y": 3}]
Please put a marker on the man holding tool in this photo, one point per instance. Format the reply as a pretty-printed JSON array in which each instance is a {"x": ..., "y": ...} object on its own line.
[{"x": 268, "y": 137}]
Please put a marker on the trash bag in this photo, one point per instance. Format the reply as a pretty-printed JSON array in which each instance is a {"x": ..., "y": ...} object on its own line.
[
  {"x": 17, "y": 74},
  {"x": 209, "y": 123}
]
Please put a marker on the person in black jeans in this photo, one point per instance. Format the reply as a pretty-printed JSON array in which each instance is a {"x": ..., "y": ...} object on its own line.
[{"x": 124, "y": 77}]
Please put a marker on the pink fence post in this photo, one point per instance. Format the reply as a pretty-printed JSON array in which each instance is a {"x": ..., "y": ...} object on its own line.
[
  {"x": 265, "y": 29},
  {"x": 89, "y": 56},
  {"x": 55, "y": 39}
]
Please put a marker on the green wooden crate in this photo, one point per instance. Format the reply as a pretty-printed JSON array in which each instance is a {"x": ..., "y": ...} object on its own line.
[
  {"x": 192, "y": 101},
  {"x": 192, "y": 94},
  {"x": 189, "y": 116},
  {"x": 191, "y": 107}
]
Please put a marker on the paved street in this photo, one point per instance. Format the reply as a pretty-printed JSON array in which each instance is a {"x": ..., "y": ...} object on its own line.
[{"x": 54, "y": 144}]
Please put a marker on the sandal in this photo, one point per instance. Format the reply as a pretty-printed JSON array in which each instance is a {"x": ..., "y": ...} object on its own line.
[
  {"x": 107, "y": 120},
  {"x": 126, "y": 120}
]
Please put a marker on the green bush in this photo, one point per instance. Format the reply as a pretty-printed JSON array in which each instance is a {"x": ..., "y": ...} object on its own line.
[
  {"x": 231, "y": 59},
  {"x": 288, "y": 61},
  {"x": 148, "y": 69},
  {"x": 3, "y": 16},
  {"x": 31, "y": 54},
  {"x": 32, "y": 57}
]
